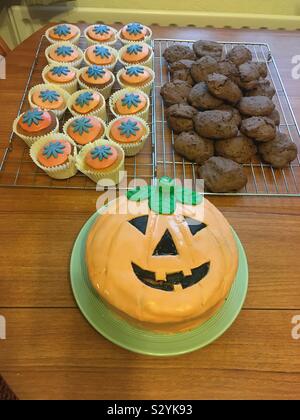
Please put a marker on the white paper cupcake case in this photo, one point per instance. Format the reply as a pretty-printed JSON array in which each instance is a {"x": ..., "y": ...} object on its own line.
[
  {"x": 130, "y": 149},
  {"x": 146, "y": 88},
  {"x": 101, "y": 112},
  {"x": 59, "y": 112},
  {"x": 146, "y": 63},
  {"x": 31, "y": 140},
  {"x": 74, "y": 41},
  {"x": 109, "y": 66},
  {"x": 79, "y": 146},
  {"x": 70, "y": 87},
  {"x": 113, "y": 99},
  {"x": 93, "y": 42},
  {"x": 76, "y": 63},
  {"x": 147, "y": 39},
  {"x": 106, "y": 91},
  {"x": 59, "y": 172},
  {"x": 115, "y": 176}
]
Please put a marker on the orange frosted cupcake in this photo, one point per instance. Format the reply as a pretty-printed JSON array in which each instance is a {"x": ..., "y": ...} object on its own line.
[
  {"x": 63, "y": 32},
  {"x": 136, "y": 76},
  {"x": 64, "y": 53},
  {"x": 87, "y": 102},
  {"x": 50, "y": 98},
  {"x": 136, "y": 53},
  {"x": 84, "y": 130},
  {"x": 130, "y": 102},
  {"x": 98, "y": 78},
  {"x": 101, "y": 55},
  {"x": 63, "y": 76},
  {"x": 101, "y": 34},
  {"x": 135, "y": 32},
  {"x": 130, "y": 133}
]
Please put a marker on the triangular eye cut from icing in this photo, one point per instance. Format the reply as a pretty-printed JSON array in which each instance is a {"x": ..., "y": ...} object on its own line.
[
  {"x": 140, "y": 223},
  {"x": 166, "y": 246},
  {"x": 194, "y": 225}
]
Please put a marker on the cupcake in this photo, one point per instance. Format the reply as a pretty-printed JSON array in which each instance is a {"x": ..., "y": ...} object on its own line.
[
  {"x": 49, "y": 98},
  {"x": 87, "y": 102},
  {"x": 101, "y": 34},
  {"x": 136, "y": 53},
  {"x": 135, "y": 32},
  {"x": 102, "y": 161},
  {"x": 98, "y": 78},
  {"x": 136, "y": 77},
  {"x": 56, "y": 155},
  {"x": 130, "y": 133},
  {"x": 101, "y": 55},
  {"x": 63, "y": 32},
  {"x": 64, "y": 53},
  {"x": 84, "y": 130},
  {"x": 130, "y": 102},
  {"x": 63, "y": 76},
  {"x": 34, "y": 124}
]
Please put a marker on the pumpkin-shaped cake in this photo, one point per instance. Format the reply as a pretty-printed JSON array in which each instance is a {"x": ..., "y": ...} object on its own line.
[{"x": 165, "y": 259}]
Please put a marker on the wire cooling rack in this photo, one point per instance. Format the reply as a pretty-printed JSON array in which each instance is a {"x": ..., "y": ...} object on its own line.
[{"x": 158, "y": 157}]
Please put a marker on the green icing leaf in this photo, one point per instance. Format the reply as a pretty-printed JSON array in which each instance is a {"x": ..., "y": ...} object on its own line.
[{"x": 186, "y": 196}]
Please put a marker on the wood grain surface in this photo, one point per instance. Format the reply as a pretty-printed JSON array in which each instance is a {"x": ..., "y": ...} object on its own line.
[{"x": 51, "y": 351}]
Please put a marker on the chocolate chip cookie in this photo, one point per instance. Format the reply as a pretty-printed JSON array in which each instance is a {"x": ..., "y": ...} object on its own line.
[
  {"x": 175, "y": 92},
  {"x": 181, "y": 70},
  {"x": 261, "y": 129},
  {"x": 216, "y": 124},
  {"x": 236, "y": 115},
  {"x": 223, "y": 88},
  {"x": 256, "y": 106},
  {"x": 241, "y": 149},
  {"x": 279, "y": 152},
  {"x": 208, "y": 48},
  {"x": 180, "y": 117},
  {"x": 201, "y": 98},
  {"x": 193, "y": 147},
  {"x": 263, "y": 88},
  {"x": 178, "y": 52},
  {"x": 203, "y": 67},
  {"x": 239, "y": 55}
]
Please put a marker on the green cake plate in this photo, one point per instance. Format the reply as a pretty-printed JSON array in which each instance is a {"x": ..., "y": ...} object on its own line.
[{"x": 141, "y": 341}]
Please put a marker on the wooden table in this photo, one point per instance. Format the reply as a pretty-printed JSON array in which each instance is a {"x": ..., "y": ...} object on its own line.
[{"x": 52, "y": 352}]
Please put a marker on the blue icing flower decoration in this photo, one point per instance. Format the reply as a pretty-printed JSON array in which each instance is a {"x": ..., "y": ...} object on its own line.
[
  {"x": 84, "y": 99},
  {"x": 96, "y": 72},
  {"x": 82, "y": 125},
  {"x": 33, "y": 117},
  {"x": 64, "y": 51},
  {"x": 62, "y": 30},
  {"x": 101, "y": 152},
  {"x": 101, "y": 29},
  {"x": 131, "y": 99},
  {"x": 134, "y": 49},
  {"x": 134, "y": 71},
  {"x": 128, "y": 128},
  {"x": 134, "y": 28},
  {"x": 49, "y": 95},
  {"x": 60, "y": 71},
  {"x": 53, "y": 149},
  {"x": 102, "y": 51}
]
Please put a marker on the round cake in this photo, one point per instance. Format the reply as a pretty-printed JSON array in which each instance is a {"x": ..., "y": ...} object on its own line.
[
  {"x": 101, "y": 55},
  {"x": 86, "y": 102},
  {"x": 54, "y": 153},
  {"x": 135, "y": 76},
  {"x": 136, "y": 53},
  {"x": 129, "y": 102},
  {"x": 134, "y": 32},
  {"x": 84, "y": 130},
  {"x": 36, "y": 123},
  {"x": 101, "y": 34},
  {"x": 64, "y": 53},
  {"x": 96, "y": 77},
  {"x": 48, "y": 99},
  {"x": 63, "y": 32},
  {"x": 167, "y": 265}
]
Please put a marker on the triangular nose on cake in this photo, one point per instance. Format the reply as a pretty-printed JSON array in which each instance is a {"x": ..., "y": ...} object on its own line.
[{"x": 166, "y": 246}]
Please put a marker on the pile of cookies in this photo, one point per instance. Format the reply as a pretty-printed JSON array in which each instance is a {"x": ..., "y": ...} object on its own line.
[{"x": 220, "y": 107}]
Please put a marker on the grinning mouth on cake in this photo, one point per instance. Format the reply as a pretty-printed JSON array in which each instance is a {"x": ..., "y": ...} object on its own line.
[{"x": 149, "y": 279}]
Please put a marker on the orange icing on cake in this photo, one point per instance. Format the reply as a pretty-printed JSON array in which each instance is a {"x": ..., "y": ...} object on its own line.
[
  {"x": 63, "y": 32},
  {"x": 54, "y": 153},
  {"x": 131, "y": 103},
  {"x": 35, "y": 120},
  {"x": 136, "y": 53},
  {"x": 127, "y": 130},
  {"x": 101, "y": 33},
  {"x": 134, "y": 32},
  {"x": 101, "y": 157},
  {"x": 48, "y": 99},
  {"x": 84, "y": 130},
  {"x": 89, "y": 103},
  {"x": 60, "y": 74},
  {"x": 64, "y": 53},
  {"x": 95, "y": 75},
  {"x": 100, "y": 55},
  {"x": 135, "y": 76}
]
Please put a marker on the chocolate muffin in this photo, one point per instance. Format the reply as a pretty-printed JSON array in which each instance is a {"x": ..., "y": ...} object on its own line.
[
  {"x": 208, "y": 48},
  {"x": 256, "y": 106},
  {"x": 222, "y": 175},
  {"x": 193, "y": 147},
  {"x": 229, "y": 70},
  {"x": 275, "y": 116},
  {"x": 263, "y": 88},
  {"x": 203, "y": 67},
  {"x": 216, "y": 124},
  {"x": 178, "y": 52},
  {"x": 262, "y": 69},
  {"x": 201, "y": 98},
  {"x": 241, "y": 149},
  {"x": 239, "y": 55},
  {"x": 279, "y": 152},
  {"x": 175, "y": 92},
  {"x": 236, "y": 115},
  {"x": 249, "y": 75},
  {"x": 180, "y": 117},
  {"x": 261, "y": 129},
  {"x": 223, "y": 88},
  {"x": 181, "y": 70}
]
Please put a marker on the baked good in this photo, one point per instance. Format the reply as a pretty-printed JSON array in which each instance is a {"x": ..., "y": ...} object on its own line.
[
  {"x": 87, "y": 102},
  {"x": 203, "y": 67},
  {"x": 178, "y": 52},
  {"x": 182, "y": 269},
  {"x": 256, "y": 106},
  {"x": 136, "y": 77},
  {"x": 101, "y": 34},
  {"x": 175, "y": 92},
  {"x": 275, "y": 116},
  {"x": 101, "y": 55},
  {"x": 49, "y": 98},
  {"x": 222, "y": 175},
  {"x": 84, "y": 130},
  {"x": 130, "y": 102},
  {"x": 224, "y": 88},
  {"x": 97, "y": 78},
  {"x": 181, "y": 70},
  {"x": 193, "y": 147},
  {"x": 248, "y": 75},
  {"x": 54, "y": 153},
  {"x": 208, "y": 48},
  {"x": 239, "y": 55},
  {"x": 200, "y": 98},
  {"x": 138, "y": 53},
  {"x": 263, "y": 88},
  {"x": 63, "y": 32},
  {"x": 135, "y": 32},
  {"x": 229, "y": 69},
  {"x": 63, "y": 76},
  {"x": 180, "y": 117},
  {"x": 236, "y": 114},
  {"x": 279, "y": 152},
  {"x": 64, "y": 53},
  {"x": 261, "y": 129},
  {"x": 216, "y": 124},
  {"x": 262, "y": 69},
  {"x": 240, "y": 149}
]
